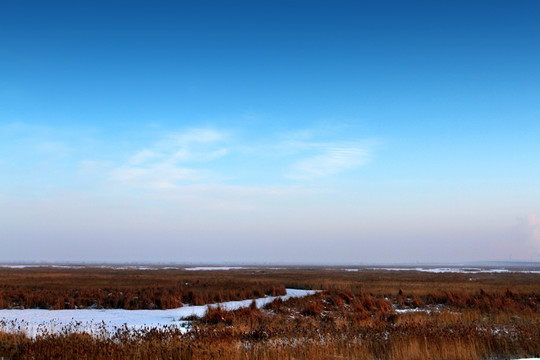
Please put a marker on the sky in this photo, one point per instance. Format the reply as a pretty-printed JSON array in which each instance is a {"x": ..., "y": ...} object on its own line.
[{"x": 269, "y": 131}]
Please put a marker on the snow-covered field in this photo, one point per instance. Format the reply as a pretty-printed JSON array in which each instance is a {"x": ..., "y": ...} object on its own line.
[
  {"x": 461, "y": 270},
  {"x": 208, "y": 268},
  {"x": 456, "y": 269},
  {"x": 36, "y": 321},
  {"x": 114, "y": 267},
  {"x": 123, "y": 267}
]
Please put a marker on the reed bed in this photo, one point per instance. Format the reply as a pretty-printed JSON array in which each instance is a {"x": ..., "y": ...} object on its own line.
[
  {"x": 50, "y": 288},
  {"x": 364, "y": 315}
]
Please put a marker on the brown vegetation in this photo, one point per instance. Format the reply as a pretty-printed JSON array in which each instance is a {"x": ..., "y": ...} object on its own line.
[
  {"x": 494, "y": 316},
  {"x": 51, "y": 288}
]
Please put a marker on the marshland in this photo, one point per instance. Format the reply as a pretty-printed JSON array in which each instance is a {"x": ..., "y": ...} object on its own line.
[{"x": 359, "y": 313}]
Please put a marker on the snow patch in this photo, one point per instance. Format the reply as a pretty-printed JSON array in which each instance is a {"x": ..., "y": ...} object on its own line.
[
  {"x": 209, "y": 268},
  {"x": 464, "y": 270},
  {"x": 39, "y": 321}
]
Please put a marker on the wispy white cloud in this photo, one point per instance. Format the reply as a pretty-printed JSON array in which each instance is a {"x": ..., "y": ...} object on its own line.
[
  {"x": 330, "y": 159},
  {"x": 189, "y": 145},
  {"x": 142, "y": 156},
  {"x": 191, "y": 156},
  {"x": 198, "y": 155},
  {"x": 322, "y": 151},
  {"x": 172, "y": 160}
]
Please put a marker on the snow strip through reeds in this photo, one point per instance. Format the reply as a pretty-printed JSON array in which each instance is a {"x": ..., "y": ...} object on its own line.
[{"x": 39, "y": 321}]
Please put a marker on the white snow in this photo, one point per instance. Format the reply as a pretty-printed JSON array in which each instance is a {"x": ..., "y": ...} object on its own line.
[
  {"x": 457, "y": 269},
  {"x": 462, "y": 270},
  {"x": 36, "y": 321},
  {"x": 18, "y": 266},
  {"x": 200, "y": 268},
  {"x": 405, "y": 311},
  {"x": 113, "y": 267}
]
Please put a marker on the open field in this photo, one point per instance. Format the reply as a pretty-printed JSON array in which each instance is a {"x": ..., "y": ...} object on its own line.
[{"x": 361, "y": 314}]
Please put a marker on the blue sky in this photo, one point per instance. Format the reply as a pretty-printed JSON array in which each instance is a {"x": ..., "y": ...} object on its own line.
[{"x": 298, "y": 131}]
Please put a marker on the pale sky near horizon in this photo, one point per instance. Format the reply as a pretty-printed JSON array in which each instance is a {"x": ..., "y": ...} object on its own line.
[{"x": 269, "y": 131}]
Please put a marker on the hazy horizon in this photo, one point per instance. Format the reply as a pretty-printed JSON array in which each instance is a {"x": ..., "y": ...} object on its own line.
[{"x": 303, "y": 132}]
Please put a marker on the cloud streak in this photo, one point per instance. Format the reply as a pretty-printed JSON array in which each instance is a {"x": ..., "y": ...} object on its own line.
[
  {"x": 172, "y": 161},
  {"x": 206, "y": 155},
  {"x": 332, "y": 159}
]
